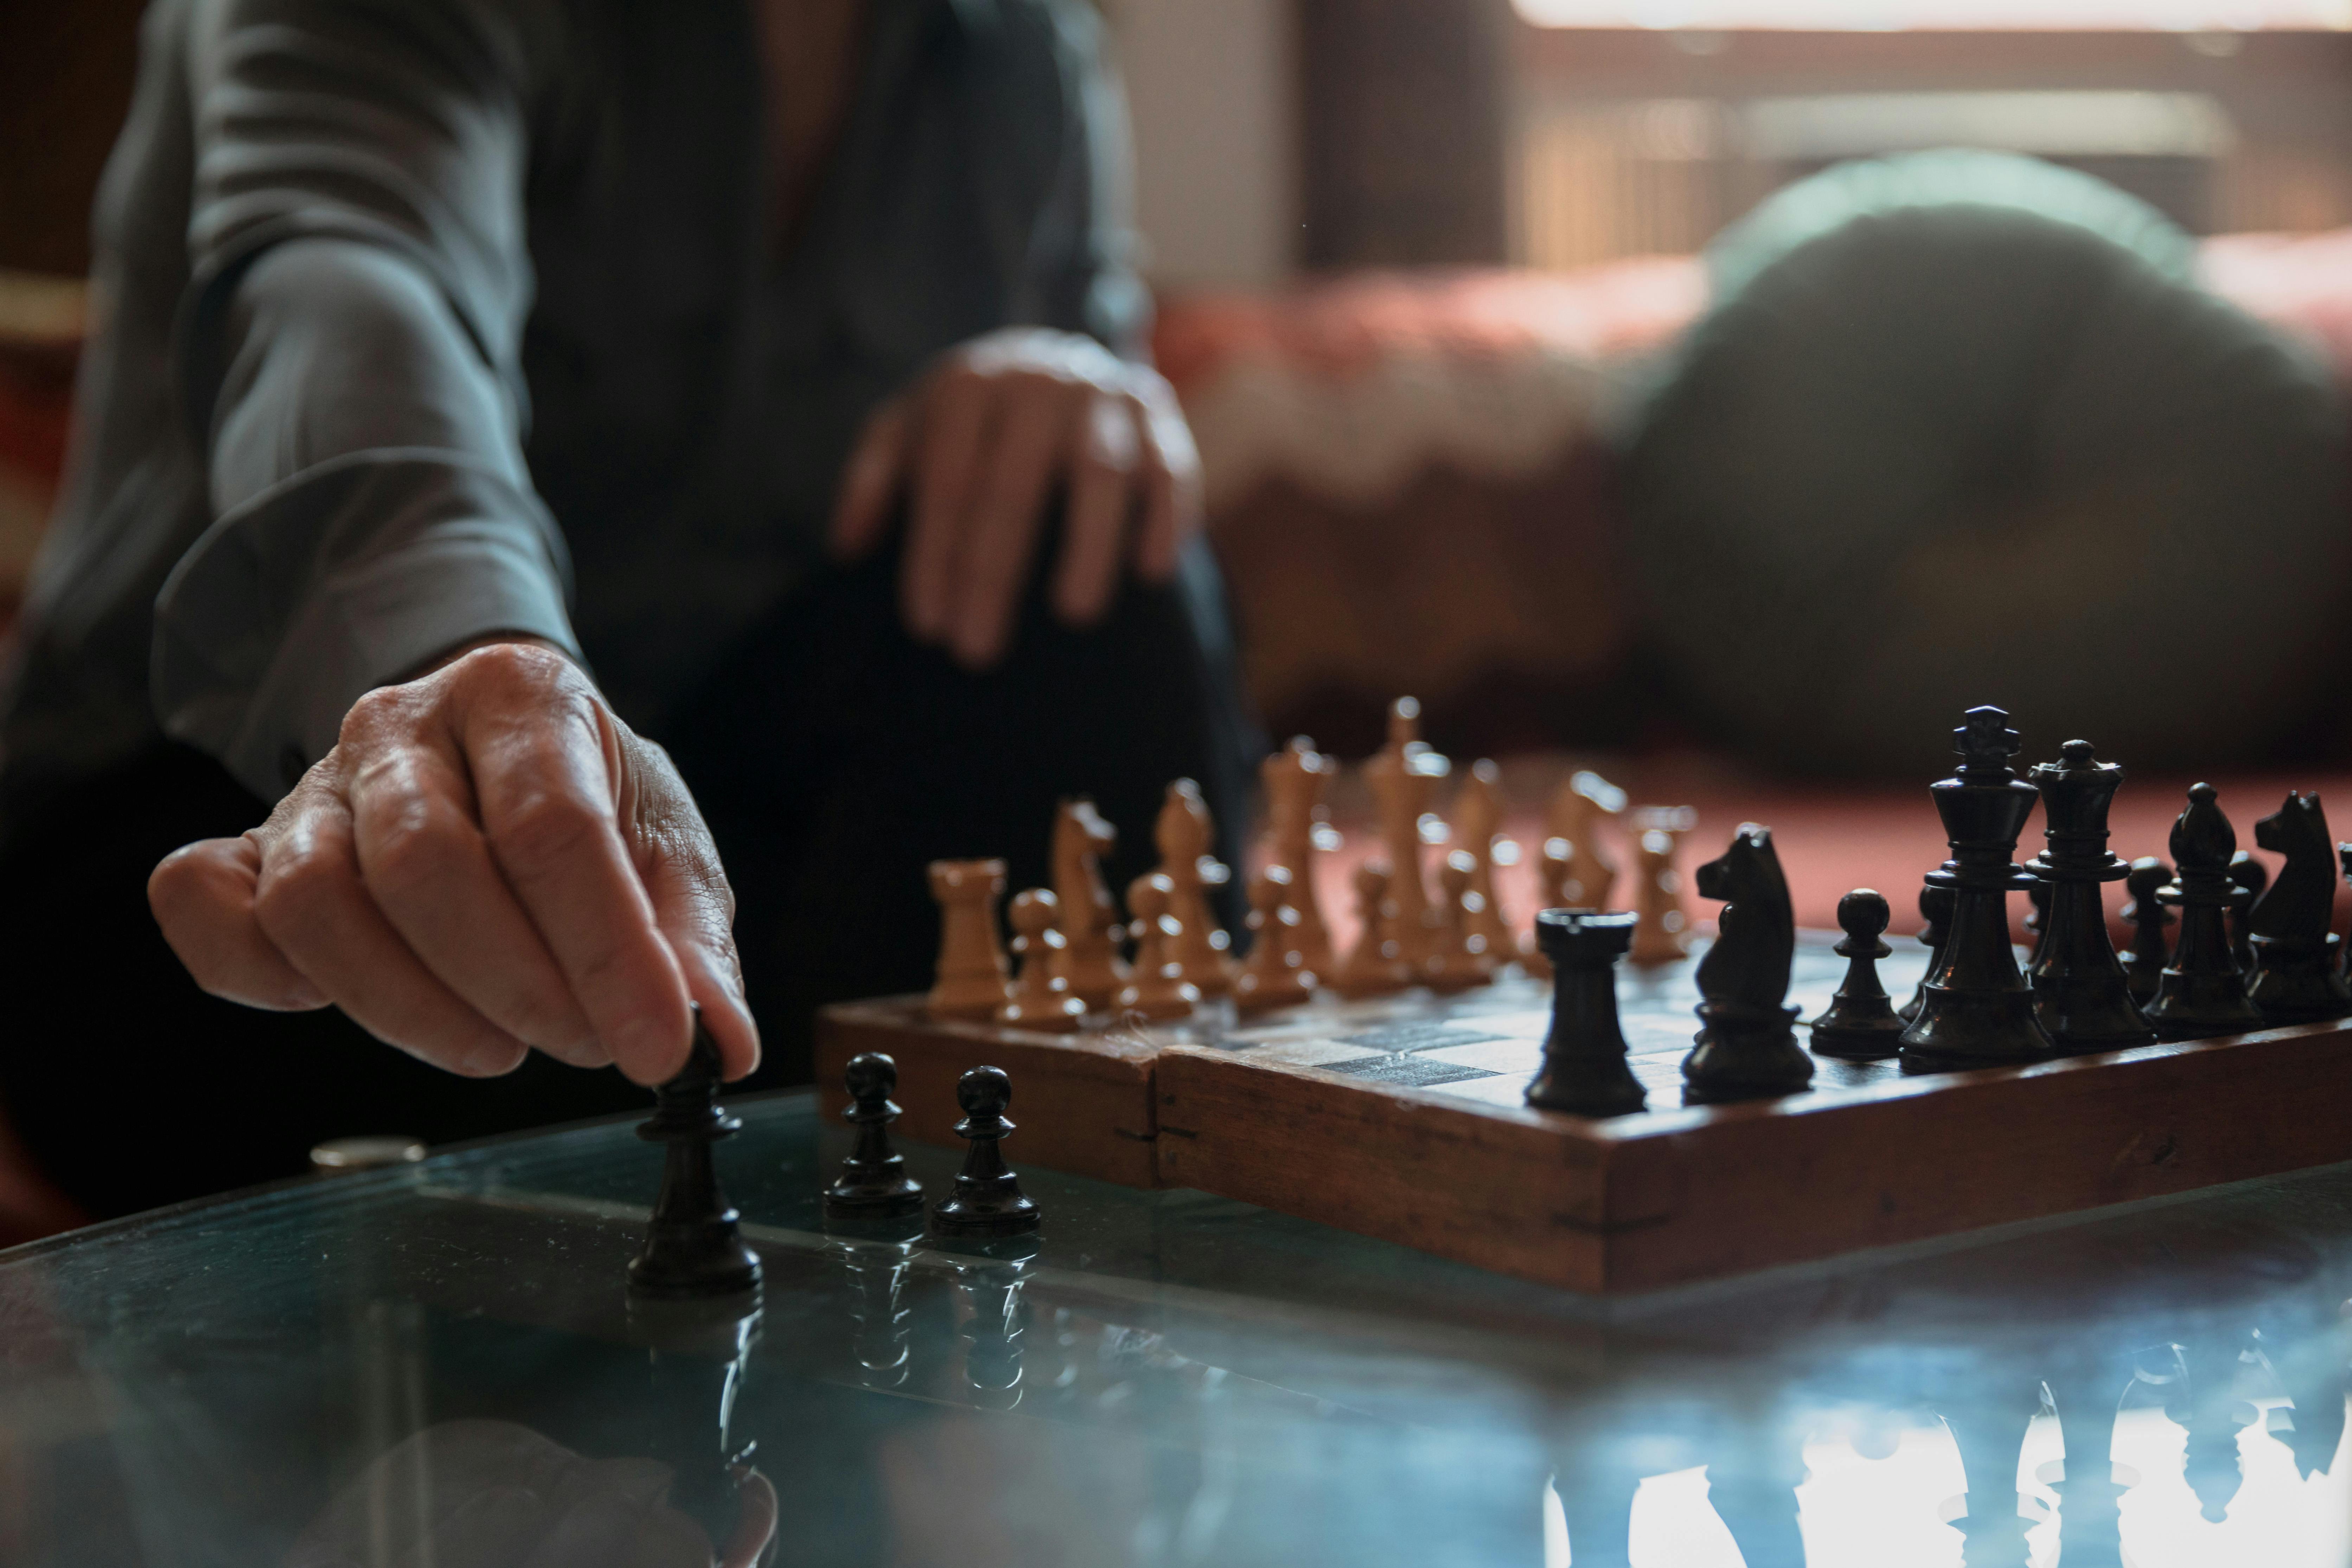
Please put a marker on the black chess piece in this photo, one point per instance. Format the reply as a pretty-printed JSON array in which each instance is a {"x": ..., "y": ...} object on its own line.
[
  {"x": 1747, "y": 1048},
  {"x": 2147, "y": 917},
  {"x": 692, "y": 1248},
  {"x": 2343, "y": 949},
  {"x": 1936, "y": 909},
  {"x": 1584, "y": 1070},
  {"x": 1861, "y": 1024},
  {"x": 2295, "y": 977},
  {"x": 872, "y": 1184},
  {"x": 1975, "y": 1008},
  {"x": 2248, "y": 878},
  {"x": 2081, "y": 993},
  {"x": 987, "y": 1200},
  {"x": 2202, "y": 991},
  {"x": 2037, "y": 914}
]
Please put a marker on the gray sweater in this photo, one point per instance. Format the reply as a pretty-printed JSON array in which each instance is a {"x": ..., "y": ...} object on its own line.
[{"x": 421, "y": 319}]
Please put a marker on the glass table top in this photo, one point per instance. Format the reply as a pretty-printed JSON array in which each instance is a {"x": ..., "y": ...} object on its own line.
[{"x": 439, "y": 1365}]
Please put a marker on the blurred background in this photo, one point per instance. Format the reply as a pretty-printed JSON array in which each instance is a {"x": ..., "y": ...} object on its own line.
[{"x": 1756, "y": 380}]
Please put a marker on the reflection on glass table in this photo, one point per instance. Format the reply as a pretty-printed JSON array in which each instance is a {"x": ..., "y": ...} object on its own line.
[{"x": 440, "y": 1366}]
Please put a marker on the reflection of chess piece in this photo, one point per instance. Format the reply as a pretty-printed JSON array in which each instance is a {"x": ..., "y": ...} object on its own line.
[
  {"x": 1089, "y": 923},
  {"x": 878, "y": 1338},
  {"x": 697, "y": 1355},
  {"x": 1461, "y": 959},
  {"x": 693, "y": 1248},
  {"x": 1295, "y": 779},
  {"x": 1402, "y": 778},
  {"x": 873, "y": 1183},
  {"x": 995, "y": 1321},
  {"x": 1477, "y": 828},
  {"x": 1663, "y": 931},
  {"x": 1183, "y": 836},
  {"x": 970, "y": 981},
  {"x": 1039, "y": 997},
  {"x": 1160, "y": 987},
  {"x": 1989, "y": 1426},
  {"x": 1372, "y": 967},
  {"x": 1276, "y": 973},
  {"x": 1573, "y": 838}
]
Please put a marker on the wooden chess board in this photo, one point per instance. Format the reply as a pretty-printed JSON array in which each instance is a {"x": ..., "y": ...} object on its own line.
[{"x": 1401, "y": 1118}]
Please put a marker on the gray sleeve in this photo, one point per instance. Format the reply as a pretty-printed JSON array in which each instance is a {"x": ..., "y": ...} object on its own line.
[
  {"x": 1090, "y": 254},
  {"x": 348, "y": 355}
]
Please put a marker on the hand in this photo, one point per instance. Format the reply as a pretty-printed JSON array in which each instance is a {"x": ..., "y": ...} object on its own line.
[
  {"x": 979, "y": 440},
  {"x": 488, "y": 862}
]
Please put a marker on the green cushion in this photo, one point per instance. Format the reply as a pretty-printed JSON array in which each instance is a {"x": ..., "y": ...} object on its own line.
[{"x": 1940, "y": 451}]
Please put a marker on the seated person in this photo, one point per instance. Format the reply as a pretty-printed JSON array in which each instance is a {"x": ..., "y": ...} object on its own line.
[{"x": 553, "y": 451}]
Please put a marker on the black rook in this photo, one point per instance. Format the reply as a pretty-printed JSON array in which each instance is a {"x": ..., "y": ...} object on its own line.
[{"x": 1584, "y": 1071}]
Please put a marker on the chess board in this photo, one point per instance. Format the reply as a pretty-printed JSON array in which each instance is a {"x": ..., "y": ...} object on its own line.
[{"x": 1402, "y": 1117}]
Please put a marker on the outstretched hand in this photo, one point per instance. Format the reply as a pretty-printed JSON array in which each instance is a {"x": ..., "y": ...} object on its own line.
[
  {"x": 488, "y": 862},
  {"x": 978, "y": 445}
]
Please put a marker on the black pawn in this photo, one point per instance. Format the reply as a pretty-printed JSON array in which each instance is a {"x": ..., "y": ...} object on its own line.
[
  {"x": 2081, "y": 993},
  {"x": 1936, "y": 909},
  {"x": 2248, "y": 878},
  {"x": 2147, "y": 917},
  {"x": 692, "y": 1248},
  {"x": 1584, "y": 1071},
  {"x": 1975, "y": 1008},
  {"x": 2202, "y": 991},
  {"x": 872, "y": 1184},
  {"x": 2343, "y": 949},
  {"x": 1746, "y": 1048},
  {"x": 2295, "y": 977},
  {"x": 1861, "y": 1024},
  {"x": 987, "y": 1200},
  {"x": 2037, "y": 915}
]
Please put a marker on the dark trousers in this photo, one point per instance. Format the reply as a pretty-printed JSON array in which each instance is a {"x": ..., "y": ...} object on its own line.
[{"x": 834, "y": 758}]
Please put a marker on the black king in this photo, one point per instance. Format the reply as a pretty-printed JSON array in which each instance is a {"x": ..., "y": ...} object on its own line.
[
  {"x": 2080, "y": 991},
  {"x": 1975, "y": 1009}
]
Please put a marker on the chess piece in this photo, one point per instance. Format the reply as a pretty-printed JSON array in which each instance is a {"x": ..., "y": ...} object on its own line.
[
  {"x": 1185, "y": 836},
  {"x": 993, "y": 1329},
  {"x": 2248, "y": 878},
  {"x": 1039, "y": 997},
  {"x": 1295, "y": 779},
  {"x": 693, "y": 1247},
  {"x": 1573, "y": 827},
  {"x": 2343, "y": 949},
  {"x": 2295, "y": 978},
  {"x": 1746, "y": 1049},
  {"x": 2145, "y": 912},
  {"x": 1555, "y": 869},
  {"x": 2081, "y": 993},
  {"x": 971, "y": 982},
  {"x": 1861, "y": 1024},
  {"x": 1936, "y": 909},
  {"x": 1663, "y": 933},
  {"x": 2202, "y": 991},
  {"x": 1276, "y": 973},
  {"x": 873, "y": 1183},
  {"x": 1460, "y": 959},
  {"x": 987, "y": 1200},
  {"x": 1089, "y": 922},
  {"x": 1975, "y": 1009},
  {"x": 2037, "y": 915},
  {"x": 1402, "y": 778},
  {"x": 1372, "y": 967},
  {"x": 1478, "y": 827},
  {"x": 1584, "y": 1068},
  {"x": 1159, "y": 988}
]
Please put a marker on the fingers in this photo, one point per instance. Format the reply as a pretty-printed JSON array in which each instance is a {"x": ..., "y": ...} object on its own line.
[
  {"x": 1031, "y": 433},
  {"x": 311, "y": 904},
  {"x": 1102, "y": 468},
  {"x": 548, "y": 775},
  {"x": 202, "y": 896},
  {"x": 691, "y": 900},
  {"x": 870, "y": 480},
  {"x": 428, "y": 869},
  {"x": 1170, "y": 472},
  {"x": 957, "y": 413}
]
